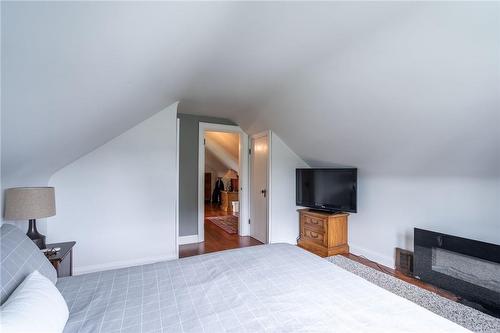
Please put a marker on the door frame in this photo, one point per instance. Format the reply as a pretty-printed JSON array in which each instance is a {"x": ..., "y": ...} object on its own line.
[
  {"x": 177, "y": 203},
  {"x": 268, "y": 197},
  {"x": 243, "y": 228}
]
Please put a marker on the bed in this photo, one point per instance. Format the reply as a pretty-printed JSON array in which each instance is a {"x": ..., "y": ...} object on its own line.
[{"x": 266, "y": 288}]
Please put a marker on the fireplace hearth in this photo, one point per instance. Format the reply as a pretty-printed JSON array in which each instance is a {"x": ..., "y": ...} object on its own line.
[{"x": 468, "y": 268}]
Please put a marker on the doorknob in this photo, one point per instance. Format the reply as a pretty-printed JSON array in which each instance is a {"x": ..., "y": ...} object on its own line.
[{"x": 264, "y": 192}]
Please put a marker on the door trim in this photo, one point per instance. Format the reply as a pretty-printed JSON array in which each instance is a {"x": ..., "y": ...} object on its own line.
[
  {"x": 243, "y": 228},
  {"x": 269, "y": 190},
  {"x": 177, "y": 204}
]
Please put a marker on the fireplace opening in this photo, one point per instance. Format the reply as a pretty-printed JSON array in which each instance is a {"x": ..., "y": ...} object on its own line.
[
  {"x": 460, "y": 266},
  {"x": 468, "y": 268}
]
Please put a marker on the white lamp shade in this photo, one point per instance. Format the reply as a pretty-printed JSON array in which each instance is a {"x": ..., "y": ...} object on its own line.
[{"x": 26, "y": 203}]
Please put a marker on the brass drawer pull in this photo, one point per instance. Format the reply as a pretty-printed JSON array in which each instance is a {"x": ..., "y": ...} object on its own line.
[{"x": 313, "y": 234}]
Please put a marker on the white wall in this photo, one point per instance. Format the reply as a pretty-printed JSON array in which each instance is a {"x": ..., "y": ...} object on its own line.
[
  {"x": 283, "y": 216},
  {"x": 119, "y": 201},
  {"x": 413, "y": 104},
  {"x": 1, "y": 182},
  {"x": 389, "y": 209}
]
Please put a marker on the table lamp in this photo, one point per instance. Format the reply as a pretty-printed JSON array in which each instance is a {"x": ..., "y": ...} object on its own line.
[
  {"x": 232, "y": 176},
  {"x": 30, "y": 203}
]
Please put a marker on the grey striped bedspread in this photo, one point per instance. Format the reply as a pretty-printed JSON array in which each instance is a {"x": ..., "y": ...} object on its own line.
[{"x": 268, "y": 288}]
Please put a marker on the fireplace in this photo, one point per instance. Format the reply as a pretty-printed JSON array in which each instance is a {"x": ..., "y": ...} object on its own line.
[{"x": 468, "y": 268}]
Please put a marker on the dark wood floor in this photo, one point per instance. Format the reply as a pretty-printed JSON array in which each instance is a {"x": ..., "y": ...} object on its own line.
[
  {"x": 216, "y": 239},
  {"x": 403, "y": 277}
]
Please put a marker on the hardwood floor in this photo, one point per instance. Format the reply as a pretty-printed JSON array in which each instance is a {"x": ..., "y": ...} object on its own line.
[
  {"x": 403, "y": 277},
  {"x": 216, "y": 239}
]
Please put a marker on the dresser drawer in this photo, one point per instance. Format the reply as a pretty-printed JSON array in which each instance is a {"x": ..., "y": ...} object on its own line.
[
  {"x": 314, "y": 236},
  {"x": 314, "y": 223},
  {"x": 323, "y": 233}
]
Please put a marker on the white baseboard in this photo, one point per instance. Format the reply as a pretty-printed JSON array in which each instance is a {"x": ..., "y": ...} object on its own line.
[
  {"x": 374, "y": 256},
  {"x": 188, "y": 239},
  {"x": 121, "y": 264}
]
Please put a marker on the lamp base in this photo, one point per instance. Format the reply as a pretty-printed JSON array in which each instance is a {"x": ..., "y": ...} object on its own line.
[{"x": 35, "y": 236}]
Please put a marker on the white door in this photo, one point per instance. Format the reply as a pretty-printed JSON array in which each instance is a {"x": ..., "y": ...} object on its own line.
[{"x": 259, "y": 158}]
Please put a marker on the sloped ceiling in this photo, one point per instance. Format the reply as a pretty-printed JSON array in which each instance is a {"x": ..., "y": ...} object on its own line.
[
  {"x": 212, "y": 163},
  {"x": 230, "y": 142},
  {"x": 396, "y": 88},
  {"x": 221, "y": 150}
]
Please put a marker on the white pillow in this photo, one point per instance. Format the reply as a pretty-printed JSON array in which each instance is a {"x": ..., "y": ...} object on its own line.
[{"x": 35, "y": 306}]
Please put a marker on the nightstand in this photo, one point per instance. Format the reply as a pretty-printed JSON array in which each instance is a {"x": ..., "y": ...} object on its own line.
[
  {"x": 322, "y": 233},
  {"x": 63, "y": 259}
]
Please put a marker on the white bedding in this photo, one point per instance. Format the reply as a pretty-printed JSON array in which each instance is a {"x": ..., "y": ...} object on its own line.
[{"x": 268, "y": 288}]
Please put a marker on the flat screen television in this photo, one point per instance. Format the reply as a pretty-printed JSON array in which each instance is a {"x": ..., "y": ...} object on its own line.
[{"x": 331, "y": 190}]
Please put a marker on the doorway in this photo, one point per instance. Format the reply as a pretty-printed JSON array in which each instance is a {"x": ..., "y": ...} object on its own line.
[{"x": 223, "y": 191}]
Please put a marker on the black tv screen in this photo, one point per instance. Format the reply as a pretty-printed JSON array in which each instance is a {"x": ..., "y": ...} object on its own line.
[{"x": 327, "y": 189}]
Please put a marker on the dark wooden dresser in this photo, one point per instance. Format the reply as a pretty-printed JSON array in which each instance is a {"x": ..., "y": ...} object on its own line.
[
  {"x": 323, "y": 233},
  {"x": 63, "y": 259}
]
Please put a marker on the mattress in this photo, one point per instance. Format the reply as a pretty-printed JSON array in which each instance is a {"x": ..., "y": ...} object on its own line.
[{"x": 267, "y": 288}]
